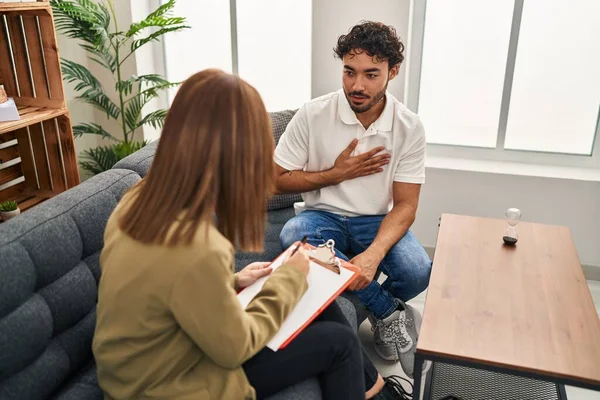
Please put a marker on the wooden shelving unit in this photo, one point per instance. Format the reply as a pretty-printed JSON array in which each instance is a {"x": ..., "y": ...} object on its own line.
[
  {"x": 31, "y": 115},
  {"x": 37, "y": 152}
]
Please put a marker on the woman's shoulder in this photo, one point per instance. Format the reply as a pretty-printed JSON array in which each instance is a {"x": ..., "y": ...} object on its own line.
[{"x": 209, "y": 242}]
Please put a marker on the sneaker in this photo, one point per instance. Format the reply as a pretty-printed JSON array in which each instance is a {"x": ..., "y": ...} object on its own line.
[{"x": 395, "y": 338}]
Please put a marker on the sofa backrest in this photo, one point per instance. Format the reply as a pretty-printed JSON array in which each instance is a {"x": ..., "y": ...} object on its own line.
[
  {"x": 49, "y": 272},
  {"x": 141, "y": 160},
  {"x": 279, "y": 121}
]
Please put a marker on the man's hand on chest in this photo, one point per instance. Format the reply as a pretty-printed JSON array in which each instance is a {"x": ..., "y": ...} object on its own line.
[{"x": 348, "y": 166}]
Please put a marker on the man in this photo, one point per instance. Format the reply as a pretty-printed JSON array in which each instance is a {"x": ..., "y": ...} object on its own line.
[{"x": 357, "y": 156}]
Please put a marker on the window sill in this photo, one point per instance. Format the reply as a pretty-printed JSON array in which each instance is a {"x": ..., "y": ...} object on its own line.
[{"x": 513, "y": 168}]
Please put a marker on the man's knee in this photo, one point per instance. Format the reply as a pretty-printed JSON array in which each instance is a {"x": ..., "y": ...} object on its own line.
[
  {"x": 293, "y": 230},
  {"x": 421, "y": 271},
  {"x": 411, "y": 264}
]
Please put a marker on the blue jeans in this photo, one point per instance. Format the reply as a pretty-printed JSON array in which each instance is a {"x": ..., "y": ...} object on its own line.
[{"x": 407, "y": 265}]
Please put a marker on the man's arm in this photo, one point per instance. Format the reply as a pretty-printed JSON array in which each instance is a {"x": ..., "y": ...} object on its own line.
[
  {"x": 393, "y": 227},
  {"x": 345, "y": 167},
  {"x": 297, "y": 181}
]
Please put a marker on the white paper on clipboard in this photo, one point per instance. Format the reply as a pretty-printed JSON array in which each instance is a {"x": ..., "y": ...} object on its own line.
[{"x": 323, "y": 284}]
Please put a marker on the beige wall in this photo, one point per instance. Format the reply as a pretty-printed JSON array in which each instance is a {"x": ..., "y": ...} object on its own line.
[
  {"x": 333, "y": 18},
  {"x": 79, "y": 112}
]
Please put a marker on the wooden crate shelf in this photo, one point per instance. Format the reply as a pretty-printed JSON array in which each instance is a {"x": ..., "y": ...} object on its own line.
[
  {"x": 36, "y": 157},
  {"x": 23, "y": 6},
  {"x": 29, "y": 199},
  {"x": 31, "y": 115},
  {"x": 37, "y": 152}
]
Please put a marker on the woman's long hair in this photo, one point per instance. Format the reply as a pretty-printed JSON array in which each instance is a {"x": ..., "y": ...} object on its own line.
[{"x": 214, "y": 159}]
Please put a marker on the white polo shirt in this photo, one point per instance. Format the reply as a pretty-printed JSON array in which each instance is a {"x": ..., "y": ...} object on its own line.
[{"x": 325, "y": 126}]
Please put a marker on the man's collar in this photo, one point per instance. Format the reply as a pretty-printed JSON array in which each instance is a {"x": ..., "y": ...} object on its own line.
[
  {"x": 382, "y": 124},
  {"x": 346, "y": 114}
]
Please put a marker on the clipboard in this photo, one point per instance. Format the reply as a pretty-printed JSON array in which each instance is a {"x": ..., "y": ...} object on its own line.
[{"x": 324, "y": 286}]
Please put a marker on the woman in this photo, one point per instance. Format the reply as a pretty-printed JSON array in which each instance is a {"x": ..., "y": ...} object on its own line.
[{"x": 169, "y": 324}]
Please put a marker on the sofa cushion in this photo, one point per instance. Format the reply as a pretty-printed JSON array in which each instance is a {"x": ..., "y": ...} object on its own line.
[
  {"x": 48, "y": 292},
  {"x": 84, "y": 385},
  {"x": 279, "y": 121},
  {"x": 140, "y": 161}
]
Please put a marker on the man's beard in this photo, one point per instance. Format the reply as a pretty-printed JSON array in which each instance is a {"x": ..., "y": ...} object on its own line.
[{"x": 366, "y": 107}]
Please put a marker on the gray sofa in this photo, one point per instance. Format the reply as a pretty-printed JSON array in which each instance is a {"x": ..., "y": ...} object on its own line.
[{"x": 49, "y": 272}]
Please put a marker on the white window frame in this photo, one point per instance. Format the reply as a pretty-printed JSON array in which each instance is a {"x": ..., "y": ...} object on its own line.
[{"x": 499, "y": 154}]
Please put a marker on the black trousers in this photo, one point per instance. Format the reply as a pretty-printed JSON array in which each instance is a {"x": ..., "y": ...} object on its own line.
[{"x": 328, "y": 349}]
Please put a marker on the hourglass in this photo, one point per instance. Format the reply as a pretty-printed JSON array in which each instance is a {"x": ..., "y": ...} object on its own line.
[{"x": 513, "y": 216}]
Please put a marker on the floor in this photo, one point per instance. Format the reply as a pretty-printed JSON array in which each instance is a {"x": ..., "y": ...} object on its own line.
[{"x": 419, "y": 302}]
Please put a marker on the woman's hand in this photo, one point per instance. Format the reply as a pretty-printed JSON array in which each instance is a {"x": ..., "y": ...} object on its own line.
[
  {"x": 252, "y": 273},
  {"x": 299, "y": 260}
]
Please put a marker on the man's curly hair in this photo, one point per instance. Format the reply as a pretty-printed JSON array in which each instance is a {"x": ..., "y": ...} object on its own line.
[{"x": 375, "y": 38}]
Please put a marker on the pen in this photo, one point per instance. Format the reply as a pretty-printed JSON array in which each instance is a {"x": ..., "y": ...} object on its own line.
[{"x": 303, "y": 241}]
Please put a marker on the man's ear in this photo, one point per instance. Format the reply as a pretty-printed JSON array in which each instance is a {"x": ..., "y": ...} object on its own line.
[{"x": 394, "y": 72}]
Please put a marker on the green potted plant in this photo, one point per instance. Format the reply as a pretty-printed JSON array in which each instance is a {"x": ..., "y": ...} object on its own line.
[
  {"x": 94, "y": 24},
  {"x": 9, "y": 209}
]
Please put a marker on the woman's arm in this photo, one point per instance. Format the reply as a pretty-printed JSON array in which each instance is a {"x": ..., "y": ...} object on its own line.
[{"x": 205, "y": 305}]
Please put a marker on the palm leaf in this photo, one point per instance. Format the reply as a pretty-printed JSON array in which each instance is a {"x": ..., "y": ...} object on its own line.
[
  {"x": 124, "y": 149},
  {"x": 144, "y": 82},
  {"x": 74, "y": 20},
  {"x": 99, "y": 159},
  {"x": 93, "y": 93},
  {"x": 153, "y": 22},
  {"x": 89, "y": 22},
  {"x": 152, "y": 92},
  {"x": 101, "y": 102},
  {"x": 81, "y": 19},
  {"x": 136, "y": 44},
  {"x": 104, "y": 16},
  {"x": 103, "y": 158},
  {"x": 159, "y": 18},
  {"x": 156, "y": 119},
  {"x": 110, "y": 65},
  {"x": 92, "y": 128},
  {"x": 164, "y": 9},
  {"x": 74, "y": 72},
  {"x": 134, "y": 105},
  {"x": 102, "y": 56},
  {"x": 132, "y": 112}
]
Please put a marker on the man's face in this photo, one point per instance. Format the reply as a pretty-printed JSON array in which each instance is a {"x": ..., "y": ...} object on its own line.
[{"x": 365, "y": 80}]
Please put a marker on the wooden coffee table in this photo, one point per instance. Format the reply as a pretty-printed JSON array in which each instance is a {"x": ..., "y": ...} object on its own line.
[{"x": 523, "y": 310}]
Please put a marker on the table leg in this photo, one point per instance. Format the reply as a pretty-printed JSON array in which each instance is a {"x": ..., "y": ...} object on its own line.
[
  {"x": 428, "y": 379},
  {"x": 560, "y": 390},
  {"x": 418, "y": 376}
]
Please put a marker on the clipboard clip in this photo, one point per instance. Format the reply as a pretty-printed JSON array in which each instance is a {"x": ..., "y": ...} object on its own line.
[{"x": 324, "y": 255}]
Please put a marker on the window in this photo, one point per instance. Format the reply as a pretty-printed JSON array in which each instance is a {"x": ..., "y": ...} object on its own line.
[
  {"x": 206, "y": 44},
  {"x": 516, "y": 78},
  {"x": 269, "y": 45},
  {"x": 555, "y": 95},
  {"x": 274, "y": 50},
  {"x": 462, "y": 76}
]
